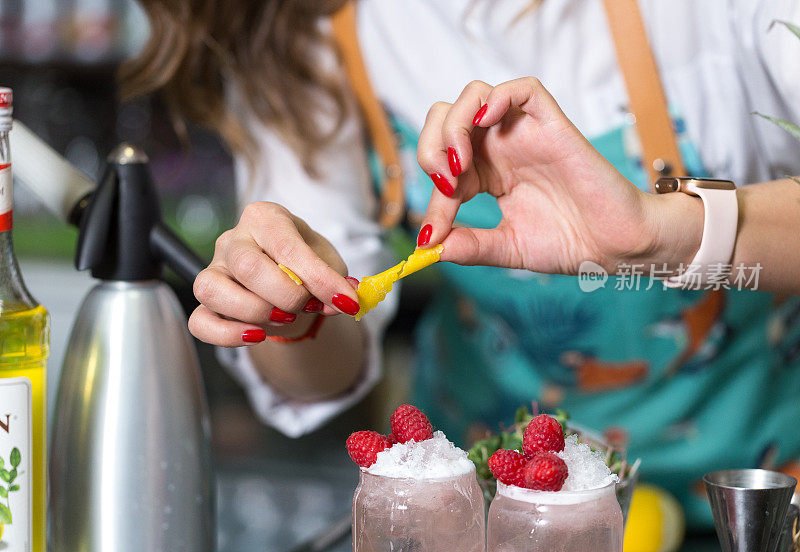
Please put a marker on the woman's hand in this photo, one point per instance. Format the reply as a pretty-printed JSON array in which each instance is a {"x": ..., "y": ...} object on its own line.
[
  {"x": 562, "y": 202},
  {"x": 243, "y": 290}
]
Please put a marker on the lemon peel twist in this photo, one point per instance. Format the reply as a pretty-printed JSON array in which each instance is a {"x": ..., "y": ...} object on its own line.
[
  {"x": 373, "y": 289},
  {"x": 295, "y": 278}
]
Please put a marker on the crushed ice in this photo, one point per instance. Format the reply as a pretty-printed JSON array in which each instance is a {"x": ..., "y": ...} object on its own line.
[
  {"x": 429, "y": 459},
  {"x": 587, "y": 470}
]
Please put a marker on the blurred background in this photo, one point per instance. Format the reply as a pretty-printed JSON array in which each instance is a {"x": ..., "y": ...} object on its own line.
[{"x": 60, "y": 57}]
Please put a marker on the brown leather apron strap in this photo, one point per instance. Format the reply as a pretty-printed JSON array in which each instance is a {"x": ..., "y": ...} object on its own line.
[
  {"x": 648, "y": 103},
  {"x": 392, "y": 202}
]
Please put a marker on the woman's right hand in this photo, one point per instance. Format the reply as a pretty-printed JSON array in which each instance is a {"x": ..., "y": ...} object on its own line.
[
  {"x": 562, "y": 202},
  {"x": 244, "y": 292}
]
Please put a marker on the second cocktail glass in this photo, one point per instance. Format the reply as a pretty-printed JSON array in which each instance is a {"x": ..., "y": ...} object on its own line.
[{"x": 523, "y": 520}]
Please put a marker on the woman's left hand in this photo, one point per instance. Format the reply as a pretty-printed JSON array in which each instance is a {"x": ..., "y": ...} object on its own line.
[{"x": 562, "y": 202}]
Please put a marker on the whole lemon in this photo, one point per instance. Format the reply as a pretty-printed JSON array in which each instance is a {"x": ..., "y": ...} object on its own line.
[{"x": 655, "y": 521}]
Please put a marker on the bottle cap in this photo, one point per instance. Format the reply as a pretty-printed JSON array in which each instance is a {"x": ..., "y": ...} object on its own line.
[{"x": 5, "y": 108}]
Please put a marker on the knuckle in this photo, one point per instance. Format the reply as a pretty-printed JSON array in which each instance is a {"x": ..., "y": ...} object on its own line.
[
  {"x": 195, "y": 327},
  {"x": 250, "y": 210},
  {"x": 222, "y": 241},
  {"x": 203, "y": 287},
  {"x": 261, "y": 209},
  {"x": 273, "y": 209},
  {"x": 284, "y": 252},
  {"x": 426, "y": 158},
  {"x": 246, "y": 264},
  {"x": 475, "y": 85},
  {"x": 435, "y": 109},
  {"x": 533, "y": 82}
]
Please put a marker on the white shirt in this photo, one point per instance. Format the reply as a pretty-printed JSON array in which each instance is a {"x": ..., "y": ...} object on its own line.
[{"x": 718, "y": 59}]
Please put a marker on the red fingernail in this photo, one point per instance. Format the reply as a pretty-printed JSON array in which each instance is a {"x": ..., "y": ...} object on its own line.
[
  {"x": 353, "y": 281},
  {"x": 455, "y": 162},
  {"x": 441, "y": 182},
  {"x": 345, "y": 304},
  {"x": 278, "y": 315},
  {"x": 424, "y": 235},
  {"x": 314, "y": 305},
  {"x": 479, "y": 115},
  {"x": 254, "y": 336}
]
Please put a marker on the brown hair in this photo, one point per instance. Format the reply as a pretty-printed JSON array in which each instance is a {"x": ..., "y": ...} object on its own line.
[{"x": 268, "y": 49}]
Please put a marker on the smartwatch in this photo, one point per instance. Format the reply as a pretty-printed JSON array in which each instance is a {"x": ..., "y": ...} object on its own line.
[{"x": 720, "y": 224}]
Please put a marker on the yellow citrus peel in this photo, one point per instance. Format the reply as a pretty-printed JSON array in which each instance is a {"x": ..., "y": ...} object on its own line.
[
  {"x": 295, "y": 278},
  {"x": 373, "y": 289}
]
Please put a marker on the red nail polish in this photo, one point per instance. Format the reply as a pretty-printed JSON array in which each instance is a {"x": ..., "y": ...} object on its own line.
[
  {"x": 424, "y": 235},
  {"x": 254, "y": 336},
  {"x": 278, "y": 315},
  {"x": 442, "y": 183},
  {"x": 313, "y": 305},
  {"x": 479, "y": 115},
  {"x": 345, "y": 304},
  {"x": 353, "y": 281},
  {"x": 454, "y": 161}
]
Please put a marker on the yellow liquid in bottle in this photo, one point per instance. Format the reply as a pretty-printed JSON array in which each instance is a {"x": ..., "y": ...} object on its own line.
[{"x": 24, "y": 337}]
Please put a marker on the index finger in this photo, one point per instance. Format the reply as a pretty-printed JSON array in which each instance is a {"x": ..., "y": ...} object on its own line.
[
  {"x": 318, "y": 277},
  {"x": 527, "y": 93},
  {"x": 458, "y": 124}
]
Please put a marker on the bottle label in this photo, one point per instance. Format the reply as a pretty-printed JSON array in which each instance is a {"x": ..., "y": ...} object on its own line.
[
  {"x": 15, "y": 464},
  {"x": 6, "y": 197}
]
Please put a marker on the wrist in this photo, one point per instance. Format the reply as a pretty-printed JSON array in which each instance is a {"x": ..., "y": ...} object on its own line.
[{"x": 674, "y": 229}]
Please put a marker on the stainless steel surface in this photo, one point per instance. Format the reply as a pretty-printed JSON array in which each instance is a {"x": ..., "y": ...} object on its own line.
[
  {"x": 749, "y": 507},
  {"x": 126, "y": 153},
  {"x": 786, "y": 543},
  {"x": 130, "y": 461}
]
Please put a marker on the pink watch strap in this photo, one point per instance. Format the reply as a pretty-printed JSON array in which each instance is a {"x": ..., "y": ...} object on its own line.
[{"x": 719, "y": 238}]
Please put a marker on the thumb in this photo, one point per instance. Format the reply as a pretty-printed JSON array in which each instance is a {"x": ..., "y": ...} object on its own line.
[
  {"x": 479, "y": 246},
  {"x": 442, "y": 210},
  {"x": 438, "y": 219}
]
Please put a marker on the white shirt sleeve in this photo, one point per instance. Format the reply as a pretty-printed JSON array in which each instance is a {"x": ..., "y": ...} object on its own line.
[
  {"x": 768, "y": 55},
  {"x": 341, "y": 206}
]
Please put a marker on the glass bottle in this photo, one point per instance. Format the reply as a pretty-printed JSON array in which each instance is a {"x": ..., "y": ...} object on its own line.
[{"x": 24, "y": 335}]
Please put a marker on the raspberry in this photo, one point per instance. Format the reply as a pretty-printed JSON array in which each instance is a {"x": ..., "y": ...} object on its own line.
[
  {"x": 542, "y": 434},
  {"x": 364, "y": 446},
  {"x": 392, "y": 439},
  {"x": 545, "y": 472},
  {"x": 408, "y": 423},
  {"x": 508, "y": 466}
]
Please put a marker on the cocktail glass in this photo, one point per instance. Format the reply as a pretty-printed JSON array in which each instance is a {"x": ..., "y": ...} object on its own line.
[
  {"x": 419, "y": 515},
  {"x": 563, "y": 521}
]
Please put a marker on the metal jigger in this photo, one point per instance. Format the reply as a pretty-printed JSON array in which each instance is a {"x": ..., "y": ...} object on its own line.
[{"x": 749, "y": 507}]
